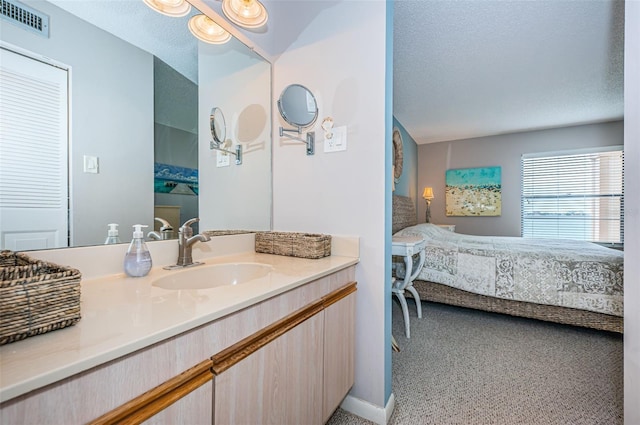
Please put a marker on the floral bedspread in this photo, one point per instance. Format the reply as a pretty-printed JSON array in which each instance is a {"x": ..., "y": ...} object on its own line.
[{"x": 566, "y": 273}]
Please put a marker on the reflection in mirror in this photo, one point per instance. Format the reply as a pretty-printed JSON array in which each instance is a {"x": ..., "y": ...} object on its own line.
[
  {"x": 219, "y": 140},
  {"x": 134, "y": 122},
  {"x": 251, "y": 123},
  {"x": 234, "y": 197},
  {"x": 218, "y": 127},
  {"x": 207, "y": 30},
  {"x": 172, "y": 8},
  {"x": 298, "y": 106},
  {"x": 165, "y": 232}
]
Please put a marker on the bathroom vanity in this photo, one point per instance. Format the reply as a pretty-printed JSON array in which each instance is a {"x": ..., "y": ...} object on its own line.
[{"x": 274, "y": 349}]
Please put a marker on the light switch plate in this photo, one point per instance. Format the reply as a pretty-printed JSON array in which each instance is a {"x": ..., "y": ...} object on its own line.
[
  {"x": 222, "y": 159},
  {"x": 91, "y": 164},
  {"x": 338, "y": 140}
]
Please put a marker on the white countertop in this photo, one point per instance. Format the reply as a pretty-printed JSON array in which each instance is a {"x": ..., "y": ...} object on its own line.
[{"x": 121, "y": 315}]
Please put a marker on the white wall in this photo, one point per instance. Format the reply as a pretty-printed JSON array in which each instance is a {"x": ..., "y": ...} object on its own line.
[
  {"x": 235, "y": 196},
  {"x": 111, "y": 118},
  {"x": 340, "y": 57},
  {"x": 504, "y": 151},
  {"x": 632, "y": 214}
]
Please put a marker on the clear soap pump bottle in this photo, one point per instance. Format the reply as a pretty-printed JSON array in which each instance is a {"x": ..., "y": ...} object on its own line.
[
  {"x": 137, "y": 261},
  {"x": 112, "y": 235}
]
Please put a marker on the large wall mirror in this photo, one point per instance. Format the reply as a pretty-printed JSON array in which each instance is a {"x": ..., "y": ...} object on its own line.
[{"x": 140, "y": 91}]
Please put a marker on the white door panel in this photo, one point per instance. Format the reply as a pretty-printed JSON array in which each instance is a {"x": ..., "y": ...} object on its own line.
[{"x": 33, "y": 153}]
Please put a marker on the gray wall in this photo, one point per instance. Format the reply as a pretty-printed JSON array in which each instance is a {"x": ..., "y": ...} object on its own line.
[
  {"x": 176, "y": 132},
  {"x": 504, "y": 151},
  {"x": 175, "y": 98},
  {"x": 111, "y": 118}
]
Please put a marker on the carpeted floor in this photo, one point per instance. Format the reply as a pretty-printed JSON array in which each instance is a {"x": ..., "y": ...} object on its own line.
[{"x": 467, "y": 367}]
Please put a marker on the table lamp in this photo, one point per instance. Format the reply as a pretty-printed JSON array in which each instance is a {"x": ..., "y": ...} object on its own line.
[{"x": 428, "y": 196}]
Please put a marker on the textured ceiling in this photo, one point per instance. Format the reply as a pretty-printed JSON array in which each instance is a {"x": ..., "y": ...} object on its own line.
[
  {"x": 131, "y": 20},
  {"x": 466, "y": 69},
  {"x": 462, "y": 68}
]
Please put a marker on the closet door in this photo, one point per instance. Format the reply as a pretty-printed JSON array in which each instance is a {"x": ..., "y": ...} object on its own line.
[{"x": 33, "y": 153}]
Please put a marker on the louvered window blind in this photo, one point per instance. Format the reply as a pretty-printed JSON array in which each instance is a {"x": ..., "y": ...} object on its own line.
[{"x": 574, "y": 195}]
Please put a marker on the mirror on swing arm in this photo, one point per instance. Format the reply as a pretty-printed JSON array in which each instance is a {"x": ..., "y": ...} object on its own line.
[
  {"x": 298, "y": 107},
  {"x": 219, "y": 133}
]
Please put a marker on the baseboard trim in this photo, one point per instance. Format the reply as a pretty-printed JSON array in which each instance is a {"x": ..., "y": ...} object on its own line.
[{"x": 369, "y": 411}]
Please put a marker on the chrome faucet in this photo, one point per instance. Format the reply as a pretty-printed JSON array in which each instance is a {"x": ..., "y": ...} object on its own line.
[
  {"x": 186, "y": 239},
  {"x": 166, "y": 230}
]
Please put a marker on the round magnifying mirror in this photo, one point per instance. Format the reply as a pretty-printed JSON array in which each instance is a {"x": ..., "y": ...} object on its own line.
[
  {"x": 218, "y": 126},
  {"x": 298, "y": 106}
]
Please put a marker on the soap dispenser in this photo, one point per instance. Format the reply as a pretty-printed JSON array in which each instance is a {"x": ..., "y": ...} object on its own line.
[
  {"x": 112, "y": 235},
  {"x": 137, "y": 261}
]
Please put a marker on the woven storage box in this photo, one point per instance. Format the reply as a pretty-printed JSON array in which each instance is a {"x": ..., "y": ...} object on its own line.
[
  {"x": 36, "y": 296},
  {"x": 304, "y": 245}
]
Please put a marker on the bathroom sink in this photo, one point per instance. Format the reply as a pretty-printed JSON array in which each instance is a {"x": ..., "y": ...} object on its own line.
[{"x": 211, "y": 276}]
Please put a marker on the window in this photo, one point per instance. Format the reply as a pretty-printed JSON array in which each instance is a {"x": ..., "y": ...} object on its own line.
[{"x": 574, "y": 195}]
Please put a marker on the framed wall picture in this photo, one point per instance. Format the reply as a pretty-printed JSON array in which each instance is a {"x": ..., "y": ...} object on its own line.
[
  {"x": 473, "y": 192},
  {"x": 174, "y": 179}
]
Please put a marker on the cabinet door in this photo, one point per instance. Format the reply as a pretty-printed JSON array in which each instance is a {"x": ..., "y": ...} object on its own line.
[
  {"x": 196, "y": 408},
  {"x": 183, "y": 399},
  {"x": 280, "y": 383},
  {"x": 339, "y": 345}
]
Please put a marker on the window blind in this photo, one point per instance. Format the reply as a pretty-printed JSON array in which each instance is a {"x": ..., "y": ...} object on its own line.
[{"x": 574, "y": 195}]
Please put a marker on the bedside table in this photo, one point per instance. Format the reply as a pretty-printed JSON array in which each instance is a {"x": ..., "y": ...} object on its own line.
[
  {"x": 407, "y": 247},
  {"x": 449, "y": 227}
]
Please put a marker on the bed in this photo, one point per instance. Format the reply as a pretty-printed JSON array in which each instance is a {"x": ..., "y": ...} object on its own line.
[{"x": 570, "y": 282}]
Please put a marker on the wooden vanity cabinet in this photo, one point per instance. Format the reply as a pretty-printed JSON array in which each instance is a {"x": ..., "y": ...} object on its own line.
[
  {"x": 280, "y": 383},
  {"x": 339, "y": 348},
  {"x": 114, "y": 393},
  {"x": 285, "y": 360},
  {"x": 194, "y": 408},
  {"x": 296, "y": 371},
  {"x": 186, "y": 399}
]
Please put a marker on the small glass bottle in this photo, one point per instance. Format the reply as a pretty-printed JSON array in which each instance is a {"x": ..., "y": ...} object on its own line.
[
  {"x": 137, "y": 261},
  {"x": 112, "y": 235}
]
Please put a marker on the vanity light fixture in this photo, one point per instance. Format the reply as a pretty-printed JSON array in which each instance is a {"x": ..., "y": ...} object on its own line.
[
  {"x": 173, "y": 8},
  {"x": 245, "y": 13},
  {"x": 428, "y": 196},
  {"x": 205, "y": 29}
]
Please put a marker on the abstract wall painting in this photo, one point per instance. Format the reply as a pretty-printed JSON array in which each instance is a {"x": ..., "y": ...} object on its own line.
[{"x": 473, "y": 192}]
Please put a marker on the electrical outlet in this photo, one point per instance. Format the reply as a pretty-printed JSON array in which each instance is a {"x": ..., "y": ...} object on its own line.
[
  {"x": 222, "y": 159},
  {"x": 338, "y": 140}
]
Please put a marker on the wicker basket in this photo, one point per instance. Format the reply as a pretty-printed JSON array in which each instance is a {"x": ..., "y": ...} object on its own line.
[
  {"x": 304, "y": 245},
  {"x": 35, "y": 296}
]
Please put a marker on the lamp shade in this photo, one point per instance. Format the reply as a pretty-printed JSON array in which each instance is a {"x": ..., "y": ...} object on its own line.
[{"x": 428, "y": 193}]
